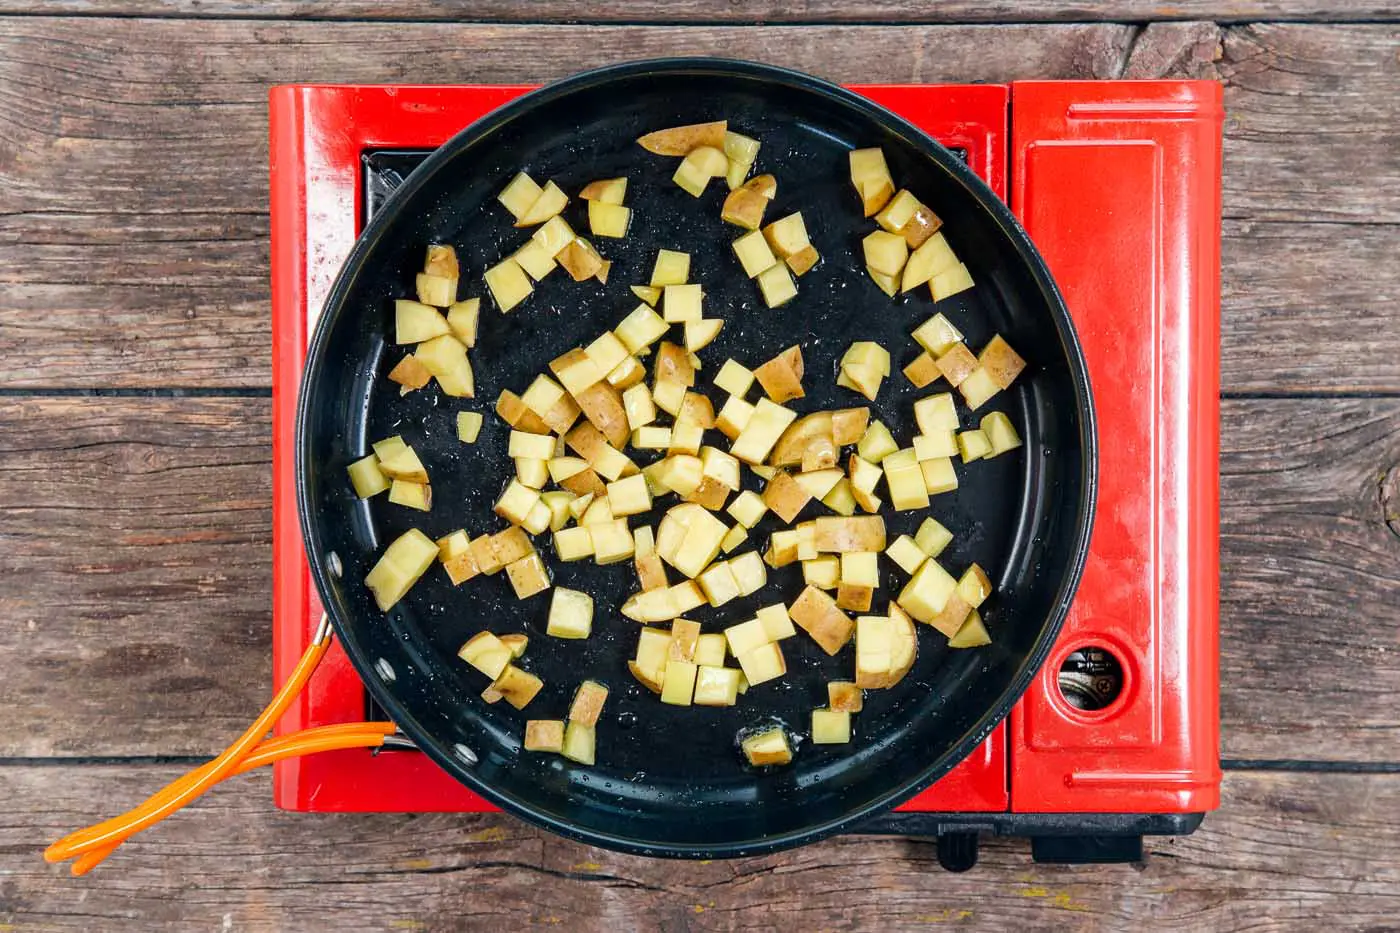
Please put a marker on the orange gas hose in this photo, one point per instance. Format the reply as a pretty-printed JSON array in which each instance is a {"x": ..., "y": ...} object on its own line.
[{"x": 91, "y": 845}]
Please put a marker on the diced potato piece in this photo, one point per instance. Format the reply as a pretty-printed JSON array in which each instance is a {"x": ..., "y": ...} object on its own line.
[
  {"x": 885, "y": 252},
  {"x": 651, "y": 438},
  {"x": 922, "y": 371},
  {"x": 716, "y": 685},
  {"x": 830, "y": 727},
  {"x": 516, "y": 502},
  {"x": 973, "y": 633},
  {"x": 747, "y": 508},
  {"x": 673, "y": 364},
  {"x": 932, "y": 259},
  {"x": 848, "y": 425},
  {"x": 864, "y": 477},
  {"x": 956, "y": 364},
  {"x": 887, "y": 283},
  {"x": 628, "y": 373},
  {"x": 841, "y": 499},
  {"x": 484, "y": 553},
  {"x": 580, "y": 743},
  {"x": 854, "y": 533},
  {"x": 746, "y": 637},
  {"x": 462, "y": 318},
  {"x": 612, "y": 541},
  {"x": 640, "y": 329},
  {"x": 544, "y": 735},
  {"x": 410, "y": 374},
  {"x": 446, "y": 359},
  {"x": 695, "y": 416},
  {"x": 936, "y": 445},
  {"x": 588, "y": 703},
  {"x": 573, "y": 543},
  {"x": 871, "y": 178},
  {"x": 525, "y": 444},
  {"x": 762, "y": 431},
  {"x": 411, "y": 495},
  {"x": 701, "y": 543},
  {"x": 749, "y": 572},
  {"x": 580, "y": 260},
  {"x": 551, "y": 201},
  {"x": 403, "y": 463},
  {"x": 535, "y": 259},
  {"x": 718, "y": 584},
  {"x": 366, "y": 477},
  {"x": 468, "y": 426},
  {"x": 671, "y": 268},
  {"x": 905, "y": 480},
  {"x": 785, "y": 497},
  {"x": 527, "y": 576},
  {"x": 823, "y": 572},
  {"x": 629, "y": 496},
  {"x": 487, "y": 653},
  {"x": 939, "y": 476},
  {"x": 906, "y": 553},
  {"x": 738, "y": 171},
  {"x": 678, "y": 686},
  {"x": 818, "y": 483},
  {"x": 973, "y": 445},
  {"x": 1002, "y": 363},
  {"x": 517, "y": 642},
  {"x": 844, "y": 696},
  {"x": 517, "y": 414},
  {"x": 782, "y": 549},
  {"x": 755, "y": 255},
  {"x": 733, "y": 417},
  {"x": 415, "y": 322},
  {"x": 937, "y": 335},
  {"x": 519, "y": 195},
  {"x": 570, "y": 614},
  {"x": 509, "y": 545},
  {"x": 777, "y": 286},
  {"x": 817, "y": 614},
  {"x": 508, "y": 284},
  {"x": 807, "y": 540},
  {"x": 1001, "y": 434},
  {"x": 762, "y": 664},
  {"x": 561, "y": 468},
  {"x": 647, "y": 293},
  {"x": 978, "y": 388},
  {"x": 553, "y": 235},
  {"x": 932, "y": 537},
  {"x": 745, "y": 204},
  {"x": 787, "y": 236},
  {"x": 606, "y": 190},
  {"x": 740, "y": 148},
  {"x": 874, "y": 650},
  {"x": 679, "y": 140},
  {"x": 720, "y": 466},
  {"x": 781, "y": 377},
  {"x": 922, "y": 225},
  {"x": 814, "y": 430},
  {"x": 589, "y": 443},
  {"x": 904, "y": 645},
  {"x": 950, "y": 282},
  {"x": 405, "y": 560},
  {"x": 935, "y": 414},
  {"x": 898, "y": 211},
  {"x": 734, "y": 378},
  {"x": 860, "y": 568},
  {"x": 769, "y": 747},
  {"x": 775, "y": 621},
  {"x": 802, "y": 261},
  {"x": 925, "y": 595},
  {"x": 700, "y": 334}
]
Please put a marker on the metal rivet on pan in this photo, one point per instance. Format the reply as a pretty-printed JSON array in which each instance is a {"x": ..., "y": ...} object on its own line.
[
  {"x": 464, "y": 753},
  {"x": 333, "y": 565},
  {"x": 385, "y": 670}
]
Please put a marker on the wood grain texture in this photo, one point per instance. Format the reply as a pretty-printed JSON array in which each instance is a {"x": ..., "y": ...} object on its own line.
[
  {"x": 708, "y": 11},
  {"x": 136, "y": 545},
  {"x": 140, "y": 529},
  {"x": 1284, "y": 850}
]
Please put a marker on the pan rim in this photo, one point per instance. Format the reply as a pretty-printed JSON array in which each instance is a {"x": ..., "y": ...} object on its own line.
[{"x": 1010, "y": 227}]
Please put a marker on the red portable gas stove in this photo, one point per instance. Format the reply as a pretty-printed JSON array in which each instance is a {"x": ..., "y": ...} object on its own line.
[{"x": 1118, "y": 183}]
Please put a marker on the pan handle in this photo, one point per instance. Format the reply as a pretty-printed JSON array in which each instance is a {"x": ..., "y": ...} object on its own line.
[{"x": 89, "y": 847}]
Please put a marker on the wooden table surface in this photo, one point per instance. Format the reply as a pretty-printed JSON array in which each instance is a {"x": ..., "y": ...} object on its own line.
[{"x": 134, "y": 449}]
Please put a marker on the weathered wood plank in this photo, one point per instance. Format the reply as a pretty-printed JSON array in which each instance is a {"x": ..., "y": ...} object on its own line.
[
  {"x": 136, "y": 539},
  {"x": 1284, "y": 851},
  {"x": 139, "y": 531},
  {"x": 177, "y": 272}
]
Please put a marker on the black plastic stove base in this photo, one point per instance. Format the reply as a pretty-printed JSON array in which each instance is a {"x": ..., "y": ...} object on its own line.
[{"x": 1056, "y": 838}]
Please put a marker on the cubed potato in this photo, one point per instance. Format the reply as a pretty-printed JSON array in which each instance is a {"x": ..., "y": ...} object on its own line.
[
  {"x": 583, "y": 501},
  {"x": 769, "y": 747},
  {"x": 703, "y": 536},
  {"x": 848, "y": 424},
  {"x": 939, "y": 476},
  {"x": 694, "y": 417},
  {"x": 923, "y": 224},
  {"x": 792, "y": 446},
  {"x": 905, "y": 480},
  {"x": 651, "y": 438},
  {"x": 446, "y": 358},
  {"x": 871, "y": 178},
  {"x": 535, "y": 446},
  {"x": 819, "y": 456},
  {"x": 817, "y": 614},
  {"x": 640, "y": 329},
  {"x": 932, "y": 258},
  {"x": 508, "y": 284},
  {"x": 974, "y": 586},
  {"x": 716, "y": 685},
  {"x": 671, "y": 268},
  {"x": 516, "y": 501},
  {"x": 572, "y": 544},
  {"x": 745, "y": 205},
  {"x": 1001, "y": 434},
  {"x": 841, "y": 499},
  {"x": 818, "y": 482},
  {"x": 777, "y": 286},
  {"x": 973, "y": 445},
  {"x": 837, "y": 535},
  {"x": 978, "y": 388},
  {"x": 601, "y": 404},
  {"x": 894, "y": 215},
  {"x": 935, "y": 414},
  {"x": 782, "y": 549},
  {"x": 956, "y": 364},
  {"x": 700, "y": 334},
  {"x": 510, "y": 545},
  {"x": 682, "y": 303},
  {"x": 973, "y": 633},
  {"x": 553, "y": 235},
  {"x": 885, "y": 252},
  {"x": 517, "y": 414},
  {"x": 534, "y": 257},
  {"x": 844, "y": 696},
  {"x": 628, "y": 373},
  {"x": 823, "y": 572},
  {"x": 733, "y": 417},
  {"x": 785, "y": 497},
  {"x": 734, "y": 378},
  {"x": 740, "y": 148},
  {"x": 561, "y": 468},
  {"x": 738, "y": 534},
  {"x": 861, "y": 568},
  {"x": 807, "y": 540},
  {"x": 544, "y": 735},
  {"x": 830, "y": 727},
  {"x": 755, "y": 255},
  {"x": 937, "y": 335},
  {"x": 718, "y": 584},
  {"x": 487, "y": 653},
  {"x": 629, "y": 496},
  {"x": 720, "y": 466},
  {"x": 462, "y": 318},
  {"x": 551, "y": 201},
  {"x": 874, "y": 651},
  {"x": 580, "y": 743},
  {"x": 673, "y": 365},
  {"x": 527, "y": 577},
  {"x": 1001, "y": 363},
  {"x": 415, "y": 322},
  {"x": 904, "y": 646},
  {"x": 787, "y": 236},
  {"x": 678, "y": 684},
  {"x": 932, "y": 537},
  {"x": 762, "y": 664},
  {"x": 679, "y": 140},
  {"x": 533, "y": 473},
  {"x": 781, "y": 377},
  {"x": 468, "y": 426},
  {"x": 747, "y": 508},
  {"x": 888, "y": 284},
  {"x": 580, "y": 260},
  {"x": 608, "y": 461},
  {"x": 922, "y": 371},
  {"x": 606, "y": 190},
  {"x": 864, "y": 475},
  {"x": 803, "y": 261},
  {"x": 570, "y": 614},
  {"x": 366, "y": 477},
  {"x": 710, "y": 650},
  {"x": 934, "y": 446},
  {"x": 517, "y": 642},
  {"x": 410, "y": 374},
  {"x": 767, "y": 424},
  {"x": 749, "y": 572},
  {"x": 403, "y": 464},
  {"x": 746, "y": 637},
  {"x": 518, "y": 196},
  {"x": 775, "y": 621},
  {"x": 647, "y": 293},
  {"x": 692, "y": 175},
  {"x": 950, "y": 282},
  {"x": 406, "y": 559},
  {"x": 927, "y": 592},
  {"x": 906, "y": 553},
  {"x": 612, "y": 541},
  {"x": 484, "y": 553}
]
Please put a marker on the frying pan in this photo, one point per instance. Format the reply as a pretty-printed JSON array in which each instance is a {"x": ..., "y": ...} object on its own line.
[{"x": 670, "y": 780}]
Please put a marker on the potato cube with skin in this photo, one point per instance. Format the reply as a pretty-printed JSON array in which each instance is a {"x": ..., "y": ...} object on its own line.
[
  {"x": 720, "y": 466},
  {"x": 468, "y": 426},
  {"x": 678, "y": 686},
  {"x": 781, "y": 377},
  {"x": 823, "y": 572},
  {"x": 612, "y": 541},
  {"x": 580, "y": 743},
  {"x": 534, "y": 446},
  {"x": 885, "y": 252},
  {"x": 762, "y": 431},
  {"x": 762, "y": 664},
  {"x": 734, "y": 378},
  {"x": 366, "y": 477},
  {"x": 769, "y": 747},
  {"x": 487, "y": 653},
  {"x": 514, "y": 412},
  {"x": 905, "y": 480},
  {"x": 864, "y": 475},
  {"x": 874, "y": 651},
  {"x": 818, "y": 482},
  {"x": 544, "y": 735},
  {"x": 932, "y": 258},
  {"x": 920, "y": 227},
  {"x": 703, "y": 534},
  {"x": 840, "y": 499},
  {"x": 462, "y": 317},
  {"x": 777, "y": 286},
  {"x": 937, "y": 335},
  {"x": 406, "y": 559},
  {"x": 606, "y": 190},
  {"x": 939, "y": 476},
  {"x": 553, "y": 235},
  {"x": 950, "y": 282},
  {"x": 508, "y": 284},
  {"x": 580, "y": 260},
  {"x": 698, "y": 167},
  {"x": 978, "y": 388},
  {"x": 803, "y": 261},
  {"x": 782, "y": 549},
  {"x": 932, "y": 537},
  {"x": 787, "y": 236},
  {"x": 572, "y": 544},
  {"x": 519, "y": 195},
  {"x": 849, "y": 534},
  {"x": 516, "y": 501},
  {"x": 923, "y": 371},
  {"x": 671, "y": 268},
  {"x": 716, "y": 685},
  {"x": 570, "y": 614},
  {"x": 609, "y": 220},
  {"x": 629, "y": 496},
  {"x": 830, "y": 727},
  {"x": 844, "y": 696},
  {"x": 410, "y": 374},
  {"x": 528, "y": 576},
  {"x": 628, "y": 373},
  {"x": 740, "y": 148},
  {"x": 925, "y": 595},
  {"x": 898, "y": 211},
  {"x": 403, "y": 464},
  {"x": 695, "y": 416},
  {"x": 710, "y": 650},
  {"x": 973, "y": 445},
  {"x": 446, "y": 358},
  {"x": 1001, "y": 363},
  {"x": 558, "y": 501},
  {"x": 685, "y": 635},
  {"x": 754, "y": 253},
  {"x": 1001, "y": 434},
  {"x": 871, "y": 179},
  {"x": 510, "y": 545},
  {"x": 681, "y": 303},
  {"x": 906, "y": 553},
  {"x": 733, "y": 417},
  {"x": 848, "y": 425},
  {"x": 935, "y": 413},
  {"x": 785, "y": 497},
  {"x": 744, "y": 206},
  {"x": 673, "y": 364},
  {"x": 588, "y": 703},
  {"x": 817, "y": 614}
]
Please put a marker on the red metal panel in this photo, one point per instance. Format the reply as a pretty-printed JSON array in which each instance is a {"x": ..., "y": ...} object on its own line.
[{"x": 1119, "y": 185}]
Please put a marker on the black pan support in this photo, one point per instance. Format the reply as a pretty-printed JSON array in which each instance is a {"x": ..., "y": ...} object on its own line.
[{"x": 670, "y": 781}]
